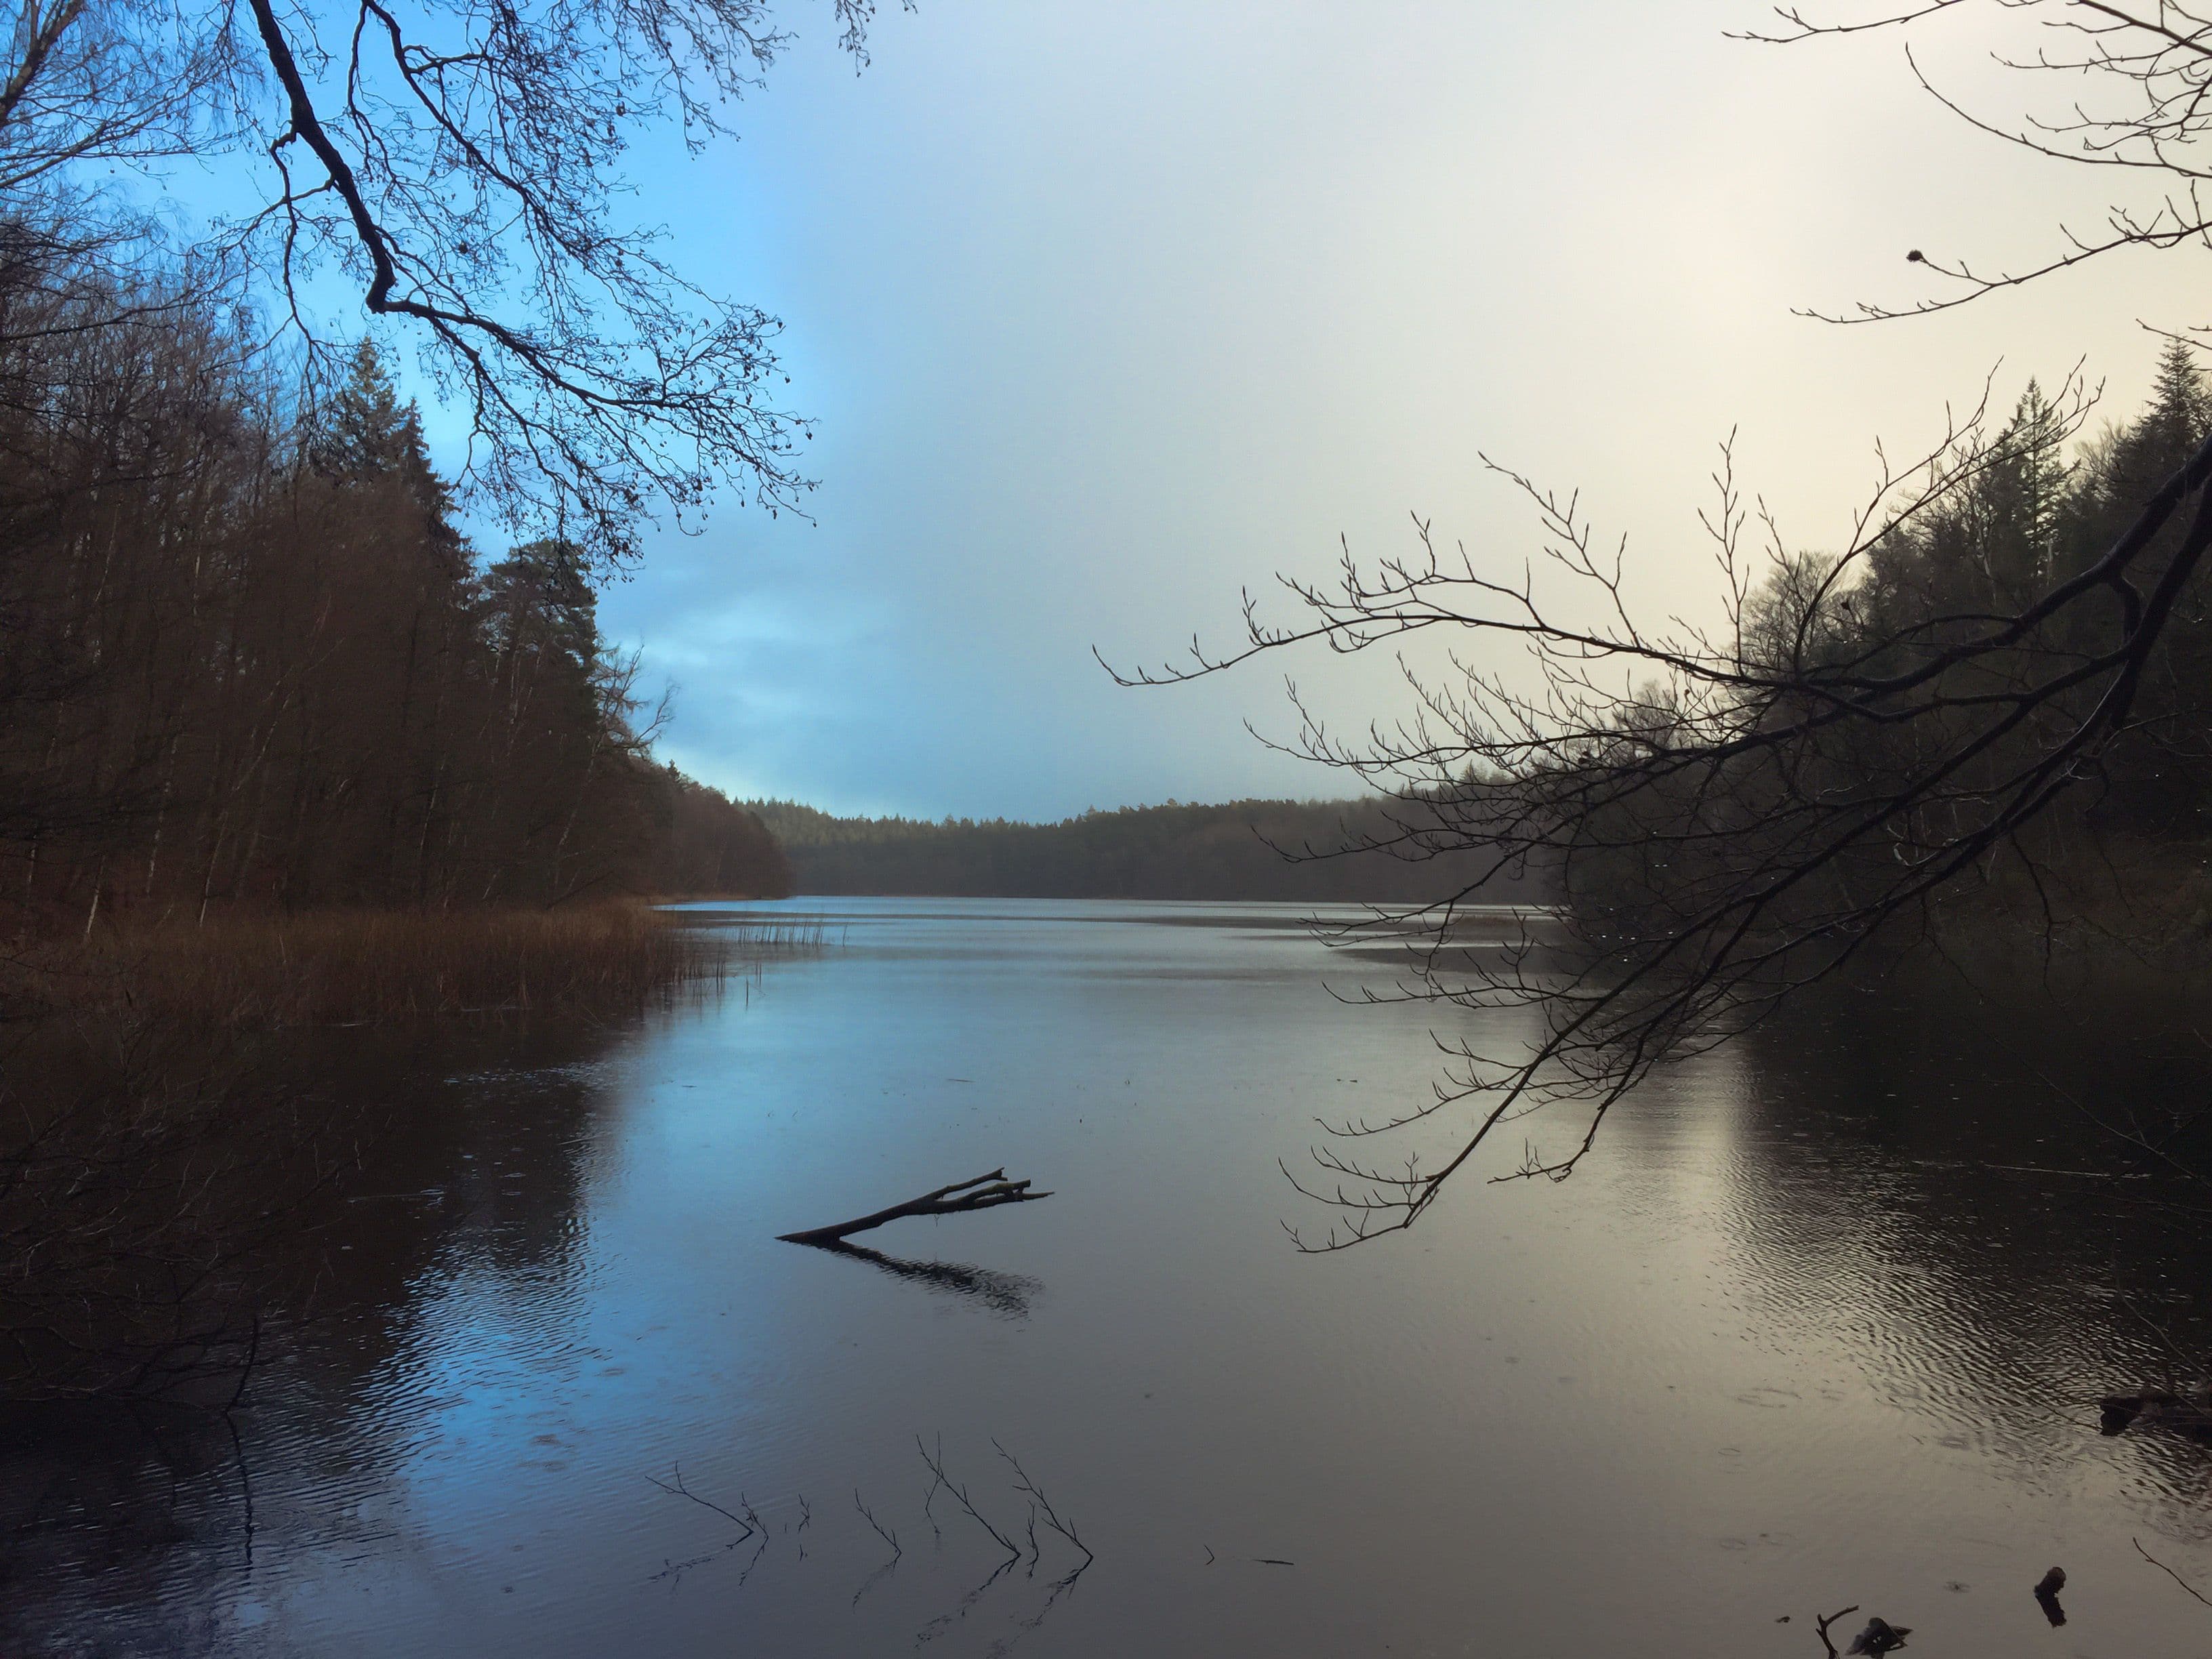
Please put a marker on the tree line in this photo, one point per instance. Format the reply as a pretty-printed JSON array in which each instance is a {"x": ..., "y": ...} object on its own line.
[
  {"x": 1246, "y": 850},
  {"x": 1951, "y": 595},
  {"x": 1983, "y": 723},
  {"x": 251, "y": 656}
]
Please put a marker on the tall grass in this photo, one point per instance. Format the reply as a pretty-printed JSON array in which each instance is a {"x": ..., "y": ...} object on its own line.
[{"x": 258, "y": 971}]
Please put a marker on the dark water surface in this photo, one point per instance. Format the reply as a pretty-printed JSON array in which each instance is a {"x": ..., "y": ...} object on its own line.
[{"x": 1786, "y": 1343}]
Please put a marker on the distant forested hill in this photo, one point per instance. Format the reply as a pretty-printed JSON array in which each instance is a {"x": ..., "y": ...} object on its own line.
[{"x": 1175, "y": 851}]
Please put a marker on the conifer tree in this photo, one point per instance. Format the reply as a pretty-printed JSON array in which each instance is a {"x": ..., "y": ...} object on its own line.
[
  {"x": 366, "y": 435},
  {"x": 2026, "y": 495}
]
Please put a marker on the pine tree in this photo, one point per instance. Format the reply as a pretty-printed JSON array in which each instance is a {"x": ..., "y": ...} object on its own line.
[
  {"x": 2180, "y": 406},
  {"x": 367, "y": 435},
  {"x": 2027, "y": 495},
  {"x": 364, "y": 431}
]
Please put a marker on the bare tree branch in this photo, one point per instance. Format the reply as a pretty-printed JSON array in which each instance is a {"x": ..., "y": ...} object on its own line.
[{"x": 982, "y": 1192}]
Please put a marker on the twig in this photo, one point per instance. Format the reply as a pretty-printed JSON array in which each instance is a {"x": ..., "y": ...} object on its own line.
[
  {"x": 882, "y": 1531},
  {"x": 1821, "y": 1624},
  {"x": 960, "y": 1494},
  {"x": 680, "y": 1490},
  {"x": 2167, "y": 1571},
  {"x": 1029, "y": 1488}
]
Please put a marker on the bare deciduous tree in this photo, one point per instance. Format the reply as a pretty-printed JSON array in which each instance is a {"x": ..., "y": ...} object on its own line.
[
  {"x": 457, "y": 161},
  {"x": 1730, "y": 813},
  {"x": 2127, "y": 94}
]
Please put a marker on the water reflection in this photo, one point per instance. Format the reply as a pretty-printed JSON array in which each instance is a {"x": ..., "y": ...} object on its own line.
[
  {"x": 1007, "y": 1295},
  {"x": 1992, "y": 1259},
  {"x": 1826, "y": 1319}
]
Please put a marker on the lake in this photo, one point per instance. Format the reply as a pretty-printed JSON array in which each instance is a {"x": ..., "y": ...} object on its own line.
[{"x": 1789, "y": 1341}]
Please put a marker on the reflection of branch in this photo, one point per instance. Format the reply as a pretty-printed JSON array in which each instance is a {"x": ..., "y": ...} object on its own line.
[
  {"x": 1060, "y": 1587},
  {"x": 2167, "y": 1571},
  {"x": 1003, "y": 1293},
  {"x": 2134, "y": 1138},
  {"x": 875, "y": 1579},
  {"x": 944, "y": 1621}
]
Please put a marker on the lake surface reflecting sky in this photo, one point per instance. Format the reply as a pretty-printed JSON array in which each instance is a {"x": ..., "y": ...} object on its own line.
[{"x": 1786, "y": 1343}]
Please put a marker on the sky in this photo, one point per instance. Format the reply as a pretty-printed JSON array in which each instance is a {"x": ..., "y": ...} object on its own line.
[{"x": 1107, "y": 309}]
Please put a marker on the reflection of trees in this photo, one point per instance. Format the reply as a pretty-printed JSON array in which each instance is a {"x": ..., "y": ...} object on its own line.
[
  {"x": 100, "y": 1502},
  {"x": 1905, "y": 1177}
]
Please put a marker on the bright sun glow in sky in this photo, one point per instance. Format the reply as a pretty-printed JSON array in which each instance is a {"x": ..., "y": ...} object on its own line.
[{"x": 1108, "y": 308}]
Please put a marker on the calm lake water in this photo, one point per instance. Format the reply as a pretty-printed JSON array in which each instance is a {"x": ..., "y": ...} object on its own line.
[{"x": 1785, "y": 1344}]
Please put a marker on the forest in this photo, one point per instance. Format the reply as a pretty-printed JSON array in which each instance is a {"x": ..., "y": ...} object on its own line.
[
  {"x": 1246, "y": 850},
  {"x": 2115, "y": 846},
  {"x": 1976, "y": 736},
  {"x": 252, "y": 660}
]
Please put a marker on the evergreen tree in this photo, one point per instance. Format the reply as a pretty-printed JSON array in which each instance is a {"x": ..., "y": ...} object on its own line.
[
  {"x": 367, "y": 435},
  {"x": 2181, "y": 407},
  {"x": 2025, "y": 498}
]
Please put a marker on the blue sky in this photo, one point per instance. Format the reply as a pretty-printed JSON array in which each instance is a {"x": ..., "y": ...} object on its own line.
[{"x": 1108, "y": 308}]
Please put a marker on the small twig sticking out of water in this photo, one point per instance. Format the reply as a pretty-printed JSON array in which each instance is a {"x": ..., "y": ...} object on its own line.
[
  {"x": 2167, "y": 1571},
  {"x": 960, "y": 1496},
  {"x": 882, "y": 1531},
  {"x": 1033, "y": 1542},
  {"x": 806, "y": 1513},
  {"x": 929, "y": 1497},
  {"x": 1822, "y": 1626},
  {"x": 1028, "y": 1487},
  {"x": 680, "y": 1490}
]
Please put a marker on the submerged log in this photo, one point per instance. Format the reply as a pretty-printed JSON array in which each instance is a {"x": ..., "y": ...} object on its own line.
[
  {"x": 985, "y": 1192},
  {"x": 2157, "y": 1408}
]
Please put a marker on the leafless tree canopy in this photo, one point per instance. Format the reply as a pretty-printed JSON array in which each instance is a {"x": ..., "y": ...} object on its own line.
[
  {"x": 1994, "y": 683},
  {"x": 2120, "y": 87},
  {"x": 459, "y": 163}
]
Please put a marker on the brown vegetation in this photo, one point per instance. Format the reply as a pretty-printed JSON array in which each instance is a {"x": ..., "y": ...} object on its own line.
[{"x": 266, "y": 971}]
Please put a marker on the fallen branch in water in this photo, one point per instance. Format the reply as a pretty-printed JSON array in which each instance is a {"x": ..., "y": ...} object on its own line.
[
  {"x": 985, "y": 1192},
  {"x": 1821, "y": 1625},
  {"x": 2168, "y": 1572}
]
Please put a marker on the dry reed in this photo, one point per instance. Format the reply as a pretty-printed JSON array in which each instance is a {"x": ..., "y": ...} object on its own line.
[{"x": 260, "y": 970}]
